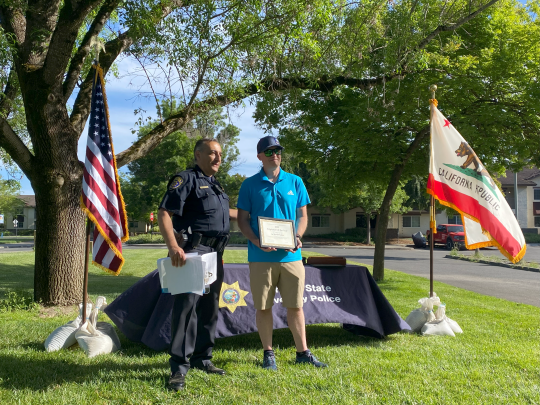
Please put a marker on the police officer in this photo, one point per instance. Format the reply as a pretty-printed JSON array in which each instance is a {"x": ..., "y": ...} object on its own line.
[{"x": 194, "y": 217}]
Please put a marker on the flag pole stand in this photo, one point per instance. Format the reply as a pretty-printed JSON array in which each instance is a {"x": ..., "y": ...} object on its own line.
[
  {"x": 433, "y": 88},
  {"x": 86, "y": 260}
]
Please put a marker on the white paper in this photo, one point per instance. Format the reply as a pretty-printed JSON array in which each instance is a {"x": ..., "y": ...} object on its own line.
[
  {"x": 161, "y": 271},
  {"x": 191, "y": 277},
  {"x": 210, "y": 267},
  {"x": 186, "y": 279}
]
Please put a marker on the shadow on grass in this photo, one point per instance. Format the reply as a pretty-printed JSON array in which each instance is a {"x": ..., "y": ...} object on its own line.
[
  {"x": 37, "y": 370},
  {"x": 28, "y": 372},
  {"x": 107, "y": 284},
  {"x": 16, "y": 277},
  {"x": 318, "y": 336},
  {"x": 21, "y": 277}
]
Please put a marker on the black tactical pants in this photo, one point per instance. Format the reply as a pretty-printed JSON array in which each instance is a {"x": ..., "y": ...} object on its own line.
[{"x": 193, "y": 322}]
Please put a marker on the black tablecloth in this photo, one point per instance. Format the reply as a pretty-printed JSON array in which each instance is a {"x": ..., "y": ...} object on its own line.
[{"x": 346, "y": 295}]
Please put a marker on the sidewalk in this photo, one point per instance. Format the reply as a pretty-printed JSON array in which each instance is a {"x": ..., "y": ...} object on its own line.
[{"x": 17, "y": 245}]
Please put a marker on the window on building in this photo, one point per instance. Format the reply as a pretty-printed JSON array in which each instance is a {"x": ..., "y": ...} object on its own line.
[
  {"x": 320, "y": 221},
  {"x": 134, "y": 224},
  {"x": 455, "y": 219},
  {"x": 537, "y": 222},
  {"x": 361, "y": 220},
  {"x": 537, "y": 193},
  {"x": 411, "y": 221}
]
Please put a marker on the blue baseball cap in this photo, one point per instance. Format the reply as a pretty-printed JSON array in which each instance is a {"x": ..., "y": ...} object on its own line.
[{"x": 268, "y": 142}]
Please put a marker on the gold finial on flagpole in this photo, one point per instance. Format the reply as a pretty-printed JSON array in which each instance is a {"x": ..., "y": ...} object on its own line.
[
  {"x": 433, "y": 89},
  {"x": 433, "y": 100}
]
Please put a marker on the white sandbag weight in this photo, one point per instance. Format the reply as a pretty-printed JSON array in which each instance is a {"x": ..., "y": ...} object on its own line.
[
  {"x": 64, "y": 336},
  {"x": 97, "y": 338}
]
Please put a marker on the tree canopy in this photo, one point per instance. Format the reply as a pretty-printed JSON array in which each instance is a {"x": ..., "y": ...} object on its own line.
[
  {"x": 487, "y": 75},
  {"x": 209, "y": 53}
]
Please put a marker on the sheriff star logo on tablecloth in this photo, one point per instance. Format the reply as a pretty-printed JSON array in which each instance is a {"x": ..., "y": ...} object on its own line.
[{"x": 232, "y": 296}]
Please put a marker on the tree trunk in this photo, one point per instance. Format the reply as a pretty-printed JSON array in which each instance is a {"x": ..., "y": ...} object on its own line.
[
  {"x": 384, "y": 214},
  {"x": 382, "y": 223},
  {"x": 59, "y": 248},
  {"x": 56, "y": 177}
]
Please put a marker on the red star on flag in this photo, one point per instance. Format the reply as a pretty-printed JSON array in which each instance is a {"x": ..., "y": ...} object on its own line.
[{"x": 446, "y": 123}]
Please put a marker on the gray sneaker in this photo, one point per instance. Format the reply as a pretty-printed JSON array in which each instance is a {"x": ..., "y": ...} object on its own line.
[
  {"x": 309, "y": 358},
  {"x": 269, "y": 361}
]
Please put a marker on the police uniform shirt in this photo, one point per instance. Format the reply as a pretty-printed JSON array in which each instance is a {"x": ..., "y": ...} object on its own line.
[{"x": 197, "y": 201}]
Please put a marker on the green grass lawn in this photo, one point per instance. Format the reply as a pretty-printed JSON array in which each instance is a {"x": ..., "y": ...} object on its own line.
[{"x": 496, "y": 360}]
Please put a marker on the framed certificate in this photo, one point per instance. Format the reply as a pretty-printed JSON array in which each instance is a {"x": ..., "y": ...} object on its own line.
[{"x": 277, "y": 233}]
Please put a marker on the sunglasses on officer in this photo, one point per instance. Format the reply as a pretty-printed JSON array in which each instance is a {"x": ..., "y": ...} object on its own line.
[{"x": 269, "y": 152}]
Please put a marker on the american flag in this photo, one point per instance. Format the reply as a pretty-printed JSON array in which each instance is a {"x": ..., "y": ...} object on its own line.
[{"x": 101, "y": 197}]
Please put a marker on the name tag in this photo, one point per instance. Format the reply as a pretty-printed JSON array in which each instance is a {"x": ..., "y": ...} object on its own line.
[{"x": 203, "y": 187}]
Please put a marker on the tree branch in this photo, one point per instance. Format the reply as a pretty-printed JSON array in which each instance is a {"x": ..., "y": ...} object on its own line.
[
  {"x": 13, "y": 22},
  {"x": 443, "y": 28},
  {"x": 173, "y": 123},
  {"x": 68, "y": 23},
  {"x": 41, "y": 19},
  {"x": 15, "y": 147},
  {"x": 178, "y": 120},
  {"x": 84, "y": 50},
  {"x": 113, "y": 48}
]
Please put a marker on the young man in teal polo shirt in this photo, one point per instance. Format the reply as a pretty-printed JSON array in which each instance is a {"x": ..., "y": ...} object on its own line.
[{"x": 275, "y": 193}]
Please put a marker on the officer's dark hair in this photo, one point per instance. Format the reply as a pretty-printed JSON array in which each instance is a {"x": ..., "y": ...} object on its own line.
[{"x": 200, "y": 143}]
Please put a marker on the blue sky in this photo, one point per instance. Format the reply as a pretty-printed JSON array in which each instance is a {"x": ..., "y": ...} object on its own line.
[{"x": 123, "y": 99}]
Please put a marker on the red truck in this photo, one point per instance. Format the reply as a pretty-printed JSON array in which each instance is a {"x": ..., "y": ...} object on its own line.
[{"x": 450, "y": 235}]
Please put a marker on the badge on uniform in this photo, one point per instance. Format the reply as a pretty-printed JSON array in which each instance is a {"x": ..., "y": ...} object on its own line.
[{"x": 176, "y": 182}]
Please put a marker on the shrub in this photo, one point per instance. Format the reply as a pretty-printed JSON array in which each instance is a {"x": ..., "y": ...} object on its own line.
[
  {"x": 238, "y": 239},
  {"x": 20, "y": 232},
  {"x": 358, "y": 235},
  {"x": 358, "y": 232},
  {"x": 532, "y": 238},
  {"x": 145, "y": 238},
  {"x": 18, "y": 300}
]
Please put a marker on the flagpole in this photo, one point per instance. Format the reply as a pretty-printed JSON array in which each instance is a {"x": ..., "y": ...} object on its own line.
[
  {"x": 86, "y": 260},
  {"x": 88, "y": 231},
  {"x": 433, "y": 88}
]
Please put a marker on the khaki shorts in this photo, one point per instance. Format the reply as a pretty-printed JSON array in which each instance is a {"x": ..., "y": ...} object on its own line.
[{"x": 288, "y": 277}]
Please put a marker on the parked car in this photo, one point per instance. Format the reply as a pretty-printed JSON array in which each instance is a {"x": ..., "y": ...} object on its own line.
[{"x": 449, "y": 235}]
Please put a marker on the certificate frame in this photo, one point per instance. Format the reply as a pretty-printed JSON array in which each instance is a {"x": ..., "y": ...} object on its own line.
[{"x": 277, "y": 233}]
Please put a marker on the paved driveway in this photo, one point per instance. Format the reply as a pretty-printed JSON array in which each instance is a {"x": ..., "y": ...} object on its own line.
[{"x": 513, "y": 285}]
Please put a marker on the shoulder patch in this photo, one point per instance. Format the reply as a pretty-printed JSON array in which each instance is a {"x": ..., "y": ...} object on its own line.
[{"x": 176, "y": 182}]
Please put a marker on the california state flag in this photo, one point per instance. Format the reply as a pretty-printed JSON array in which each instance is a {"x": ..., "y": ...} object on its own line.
[{"x": 459, "y": 180}]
